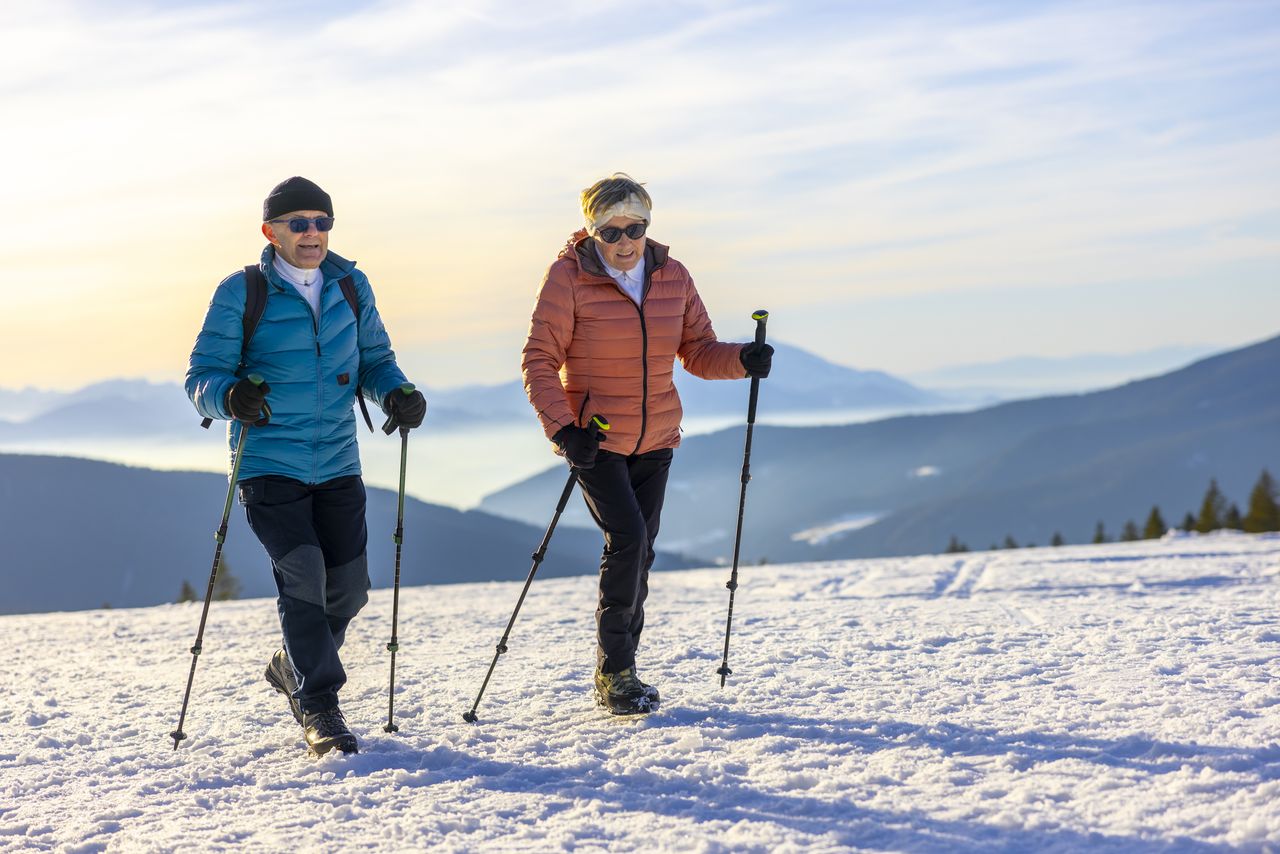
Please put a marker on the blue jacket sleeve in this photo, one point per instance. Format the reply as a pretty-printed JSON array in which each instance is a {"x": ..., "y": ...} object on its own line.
[
  {"x": 211, "y": 371},
  {"x": 379, "y": 373}
]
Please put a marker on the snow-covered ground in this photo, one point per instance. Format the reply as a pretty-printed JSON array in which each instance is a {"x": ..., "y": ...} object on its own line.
[{"x": 1121, "y": 697}]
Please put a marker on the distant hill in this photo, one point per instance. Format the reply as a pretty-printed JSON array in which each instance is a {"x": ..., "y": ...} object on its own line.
[
  {"x": 1033, "y": 376},
  {"x": 133, "y": 408},
  {"x": 80, "y": 534},
  {"x": 114, "y": 408},
  {"x": 1028, "y": 468},
  {"x": 23, "y": 403},
  {"x": 802, "y": 382}
]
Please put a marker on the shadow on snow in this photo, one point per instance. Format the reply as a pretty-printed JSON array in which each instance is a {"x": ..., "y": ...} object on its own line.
[{"x": 840, "y": 818}]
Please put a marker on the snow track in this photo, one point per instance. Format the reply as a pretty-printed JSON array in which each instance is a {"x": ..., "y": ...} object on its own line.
[{"x": 1119, "y": 697}]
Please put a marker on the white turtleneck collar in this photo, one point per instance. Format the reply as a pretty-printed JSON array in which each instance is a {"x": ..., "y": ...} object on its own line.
[
  {"x": 306, "y": 282},
  {"x": 296, "y": 275}
]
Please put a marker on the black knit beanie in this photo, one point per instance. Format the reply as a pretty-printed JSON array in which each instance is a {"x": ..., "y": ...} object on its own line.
[{"x": 295, "y": 194}]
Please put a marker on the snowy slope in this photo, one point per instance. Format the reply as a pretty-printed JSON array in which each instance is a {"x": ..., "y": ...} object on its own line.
[{"x": 1121, "y": 697}]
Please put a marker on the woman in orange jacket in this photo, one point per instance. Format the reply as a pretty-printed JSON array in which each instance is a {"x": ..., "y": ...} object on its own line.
[{"x": 613, "y": 313}]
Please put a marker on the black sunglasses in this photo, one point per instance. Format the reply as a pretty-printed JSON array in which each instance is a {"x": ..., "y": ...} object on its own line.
[
  {"x": 612, "y": 234},
  {"x": 299, "y": 225}
]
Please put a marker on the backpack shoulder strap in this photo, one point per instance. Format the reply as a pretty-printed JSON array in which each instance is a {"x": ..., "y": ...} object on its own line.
[
  {"x": 348, "y": 286},
  {"x": 255, "y": 303}
]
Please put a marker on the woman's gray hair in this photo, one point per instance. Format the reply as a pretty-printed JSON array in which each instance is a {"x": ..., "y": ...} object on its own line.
[{"x": 617, "y": 194}]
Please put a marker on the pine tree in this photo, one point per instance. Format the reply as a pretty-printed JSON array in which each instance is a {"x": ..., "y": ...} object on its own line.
[
  {"x": 1188, "y": 522},
  {"x": 1010, "y": 542},
  {"x": 1212, "y": 509},
  {"x": 1099, "y": 534},
  {"x": 1057, "y": 539},
  {"x": 227, "y": 586},
  {"x": 1232, "y": 519},
  {"x": 187, "y": 593},
  {"x": 1155, "y": 527},
  {"x": 1130, "y": 532},
  {"x": 955, "y": 546},
  {"x": 1264, "y": 511}
]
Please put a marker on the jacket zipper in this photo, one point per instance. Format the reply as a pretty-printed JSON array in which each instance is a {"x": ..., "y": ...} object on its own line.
[
  {"x": 315, "y": 440},
  {"x": 644, "y": 356},
  {"x": 644, "y": 376}
]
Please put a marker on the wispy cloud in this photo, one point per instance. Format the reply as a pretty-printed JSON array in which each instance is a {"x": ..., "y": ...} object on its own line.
[{"x": 803, "y": 155}]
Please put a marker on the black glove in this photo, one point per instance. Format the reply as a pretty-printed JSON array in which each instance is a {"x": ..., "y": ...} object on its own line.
[
  {"x": 248, "y": 402},
  {"x": 578, "y": 446},
  {"x": 757, "y": 359},
  {"x": 405, "y": 410}
]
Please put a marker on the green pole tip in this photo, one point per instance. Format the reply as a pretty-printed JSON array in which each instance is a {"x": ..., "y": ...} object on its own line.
[
  {"x": 759, "y": 314},
  {"x": 256, "y": 379},
  {"x": 600, "y": 421},
  {"x": 408, "y": 388}
]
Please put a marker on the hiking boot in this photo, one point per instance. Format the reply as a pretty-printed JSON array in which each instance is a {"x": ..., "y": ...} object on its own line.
[
  {"x": 327, "y": 730},
  {"x": 281, "y": 677},
  {"x": 622, "y": 693},
  {"x": 649, "y": 691}
]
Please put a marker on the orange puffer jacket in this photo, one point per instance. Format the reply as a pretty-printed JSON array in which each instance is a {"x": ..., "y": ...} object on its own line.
[{"x": 592, "y": 351}]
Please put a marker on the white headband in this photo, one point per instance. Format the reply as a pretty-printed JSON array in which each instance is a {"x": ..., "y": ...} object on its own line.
[{"x": 632, "y": 206}]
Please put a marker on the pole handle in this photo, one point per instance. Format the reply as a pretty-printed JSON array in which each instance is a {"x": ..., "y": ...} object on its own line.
[
  {"x": 761, "y": 317},
  {"x": 602, "y": 426},
  {"x": 257, "y": 379},
  {"x": 389, "y": 426}
]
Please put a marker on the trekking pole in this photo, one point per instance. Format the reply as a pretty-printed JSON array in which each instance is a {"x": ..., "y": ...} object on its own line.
[
  {"x": 221, "y": 536},
  {"x": 760, "y": 317},
  {"x": 470, "y": 717},
  {"x": 394, "y": 645}
]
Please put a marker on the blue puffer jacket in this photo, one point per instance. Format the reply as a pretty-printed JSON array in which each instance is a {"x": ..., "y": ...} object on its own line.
[{"x": 311, "y": 364}]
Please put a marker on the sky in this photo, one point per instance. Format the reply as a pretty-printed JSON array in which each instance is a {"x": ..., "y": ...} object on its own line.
[{"x": 903, "y": 186}]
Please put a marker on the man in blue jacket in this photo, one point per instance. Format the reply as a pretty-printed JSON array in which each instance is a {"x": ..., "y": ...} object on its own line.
[{"x": 300, "y": 478}]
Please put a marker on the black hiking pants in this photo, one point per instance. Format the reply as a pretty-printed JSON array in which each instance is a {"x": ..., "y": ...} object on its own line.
[
  {"x": 624, "y": 495},
  {"x": 315, "y": 535}
]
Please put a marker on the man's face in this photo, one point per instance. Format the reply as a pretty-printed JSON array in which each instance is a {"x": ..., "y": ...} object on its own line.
[
  {"x": 624, "y": 254},
  {"x": 305, "y": 250}
]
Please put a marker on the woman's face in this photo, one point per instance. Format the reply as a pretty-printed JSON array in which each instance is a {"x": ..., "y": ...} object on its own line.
[{"x": 624, "y": 254}]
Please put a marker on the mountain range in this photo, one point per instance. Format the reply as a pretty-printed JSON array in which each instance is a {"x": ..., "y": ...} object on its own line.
[
  {"x": 1033, "y": 376},
  {"x": 80, "y": 534},
  {"x": 1024, "y": 469},
  {"x": 118, "y": 408}
]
